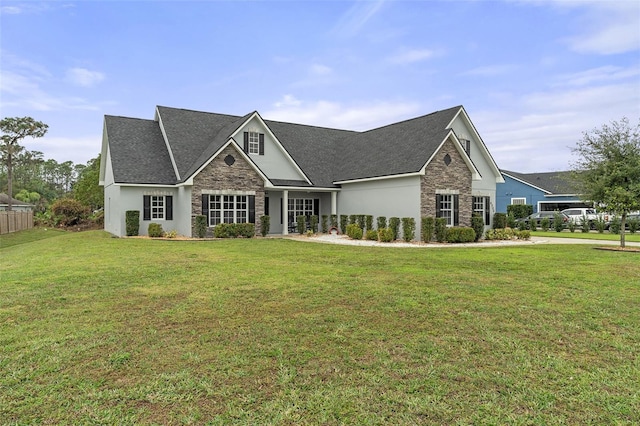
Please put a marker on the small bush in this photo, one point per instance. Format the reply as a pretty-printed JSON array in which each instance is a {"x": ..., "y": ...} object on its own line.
[
  {"x": 265, "y": 225},
  {"x": 223, "y": 230},
  {"x": 545, "y": 224},
  {"x": 234, "y": 230},
  {"x": 441, "y": 229},
  {"x": 368, "y": 221},
  {"x": 499, "y": 220},
  {"x": 372, "y": 235},
  {"x": 520, "y": 211},
  {"x": 171, "y": 234},
  {"x": 634, "y": 225},
  {"x": 344, "y": 221},
  {"x": 408, "y": 228},
  {"x": 354, "y": 231},
  {"x": 558, "y": 222},
  {"x": 523, "y": 235},
  {"x": 615, "y": 225},
  {"x": 477, "y": 223},
  {"x": 511, "y": 220},
  {"x": 601, "y": 225},
  {"x": 334, "y": 220},
  {"x": 324, "y": 224},
  {"x": 361, "y": 221},
  {"x": 69, "y": 212},
  {"x": 394, "y": 224},
  {"x": 427, "y": 228},
  {"x": 132, "y": 219},
  {"x": 572, "y": 226},
  {"x": 460, "y": 234},
  {"x": 533, "y": 225},
  {"x": 385, "y": 235},
  {"x": 585, "y": 225},
  {"x": 301, "y": 224},
  {"x": 155, "y": 230},
  {"x": 507, "y": 234},
  {"x": 201, "y": 226},
  {"x": 381, "y": 221},
  {"x": 313, "y": 223},
  {"x": 522, "y": 226}
]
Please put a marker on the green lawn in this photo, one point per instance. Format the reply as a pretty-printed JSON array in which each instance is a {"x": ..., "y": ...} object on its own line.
[
  {"x": 100, "y": 330},
  {"x": 593, "y": 235}
]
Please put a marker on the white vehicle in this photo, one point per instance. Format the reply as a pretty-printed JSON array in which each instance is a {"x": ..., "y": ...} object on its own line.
[{"x": 577, "y": 215}]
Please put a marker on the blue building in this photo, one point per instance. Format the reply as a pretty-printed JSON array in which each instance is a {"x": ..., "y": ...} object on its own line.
[{"x": 544, "y": 191}]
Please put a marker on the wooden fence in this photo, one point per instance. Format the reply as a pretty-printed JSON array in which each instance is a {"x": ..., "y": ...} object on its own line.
[{"x": 15, "y": 221}]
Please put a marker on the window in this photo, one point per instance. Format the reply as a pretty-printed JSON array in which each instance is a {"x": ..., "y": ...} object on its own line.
[
  {"x": 518, "y": 201},
  {"x": 466, "y": 144},
  {"x": 254, "y": 143},
  {"x": 299, "y": 207},
  {"x": 228, "y": 208},
  {"x": 482, "y": 206},
  {"x": 447, "y": 207},
  {"x": 157, "y": 207}
]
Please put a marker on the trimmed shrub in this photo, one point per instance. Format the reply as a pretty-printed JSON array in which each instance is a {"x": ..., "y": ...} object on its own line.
[
  {"x": 499, "y": 220},
  {"x": 132, "y": 219},
  {"x": 394, "y": 224},
  {"x": 585, "y": 225},
  {"x": 69, "y": 212},
  {"x": 301, "y": 224},
  {"x": 372, "y": 235},
  {"x": 352, "y": 218},
  {"x": 615, "y": 225},
  {"x": 523, "y": 235},
  {"x": 507, "y": 234},
  {"x": 385, "y": 235},
  {"x": 382, "y": 222},
  {"x": 171, "y": 234},
  {"x": 344, "y": 221},
  {"x": 408, "y": 228},
  {"x": 313, "y": 223},
  {"x": 324, "y": 224},
  {"x": 246, "y": 230},
  {"x": 634, "y": 225},
  {"x": 155, "y": 230},
  {"x": 354, "y": 231},
  {"x": 265, "y": 225},
  {"x": 601, "y": 225},
  {"x": 532, "y": 225},
  {"x": 558, "y": 223},
  {"x": 511, "y": 221},
  {"x": 223, "y": 230},
  {"x": 427, "y": 227},
  {"x": 334, "y": 221},
  {"x": 368, "y": 221},
  {"x": 572, "y": 226},
  {"x": 201, "y": 226},
  {"x": 520, "y": 211},
  {"x": 360, "y": 220},
  {"x": 545, "y": 224},
  {"x": 461, "y": 234},
  {"x": 441, "y": 229},
  {"x": 477, "y": 223}
]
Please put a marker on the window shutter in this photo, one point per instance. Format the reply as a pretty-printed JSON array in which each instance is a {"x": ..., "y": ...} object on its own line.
[
  {"x": 252, "y": 209},
  {"x": 456, "y": 219},
  {"x": 205, "y": 206},
  {"x": 487, "y": 211},
  {"x": 168, "y": 214},
  {"x": 146, "y": 207},
  {"x": 246, "y": 142},
  {"x": 438, "y": 202},
  {"x": 266, "y": 206},
  {"x": 316, "y": 206},
  {"x": 282, "y": 207},
  {"x": 261, "y": 144}
]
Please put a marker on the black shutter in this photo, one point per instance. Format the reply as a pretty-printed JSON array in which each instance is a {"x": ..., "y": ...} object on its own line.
[
  {"x": 438, "y": 202},
  {"x": 205, "y": 206},
  {"x": 456, "y": 219},
  {"x": 261, "y": 144},
  {"x": 266, "y": 206},
  {"x": 487, "y": 211},
  {"x": 316, "y": 206},
  {"x": 246, "y": 142},
  {"x": 252, "y": 209},
  {"x": 146, "y": 207},
  {"x": 168, "y": 213}
]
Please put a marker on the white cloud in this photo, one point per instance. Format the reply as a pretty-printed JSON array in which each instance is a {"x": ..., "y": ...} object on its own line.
[
  {"x": 602, "y": 74},
  {"x": 491, "y": 70},
  {"x": 320, "y": 70},
  {"x": 411, "y": 56},
  {"x": 336, "y": 115},
  {"x": 78, "y": 149},
  {"x": 287, "y": 101},
  {"x": 352, "y": 21},
  {"x": 10, "y": 10},
  {"x": 84, "y": 77}
]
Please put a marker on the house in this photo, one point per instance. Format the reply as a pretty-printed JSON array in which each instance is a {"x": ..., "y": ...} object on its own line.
[
  {"x": 16, "y": 205},
  {"x": 185, "y": 163},
  {"x": 544, "y": 191}
]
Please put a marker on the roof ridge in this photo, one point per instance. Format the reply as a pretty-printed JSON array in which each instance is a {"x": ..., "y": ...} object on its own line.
[
  {"x": 413, "y": 118},
  {"x": 201, "y": 112}
]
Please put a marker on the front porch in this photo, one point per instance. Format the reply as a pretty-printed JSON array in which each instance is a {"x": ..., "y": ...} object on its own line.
[{"x": 284, "y": 205}]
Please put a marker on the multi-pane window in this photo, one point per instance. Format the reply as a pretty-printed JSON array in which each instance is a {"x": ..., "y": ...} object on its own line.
[
  {"x": 481, "y": 206},
  {"x": 157, "y": 207},
  {"x": 446, "y": 208},
  {"x": 228, "y": 209},
  {"x": 254, "y": 143},
  {"x": 299, "y": 207}
]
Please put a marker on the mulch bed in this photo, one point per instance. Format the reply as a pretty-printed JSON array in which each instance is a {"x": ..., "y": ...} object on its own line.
[{"x": 622, "y": 249}]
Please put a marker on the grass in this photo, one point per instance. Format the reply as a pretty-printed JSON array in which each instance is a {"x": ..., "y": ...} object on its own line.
[
  {"x": 605, "y": 236},
  {"x": 34, "y": 234},
  {"x": 101, "y": 330}
]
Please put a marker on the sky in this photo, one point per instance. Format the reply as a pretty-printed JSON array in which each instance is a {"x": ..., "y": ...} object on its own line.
[{"x": 532, "y": 75}]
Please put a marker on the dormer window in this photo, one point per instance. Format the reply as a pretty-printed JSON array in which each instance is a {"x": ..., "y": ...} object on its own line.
[
  {"x": 466, "y": 144},
  {"x": 254, "y": 142}
]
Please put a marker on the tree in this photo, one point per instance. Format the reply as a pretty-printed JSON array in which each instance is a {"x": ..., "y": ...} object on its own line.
[
  {"x": 608, "y": 170},
  {"x": 13, "y": 131},
  {"x": 87, "y": 189}
]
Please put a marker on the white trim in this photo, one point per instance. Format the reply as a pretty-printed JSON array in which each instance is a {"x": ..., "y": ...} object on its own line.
[
  {"x": 275, "y": 140},
  {"x": 560, "y": 195},
  {"x": 301, "y": 188},
  {"x": 483, "y": 147},
  {"x": 168, "y": 145},
  {"x": 340, "y": 182},
  {"x": 528, "y": 184},
  {"x": 145, "y": 185},
  {"x": 227, "y": 192},
  {"x": 511, "y": 203},
  {"x": 447, "y": 192},
  {"x": 158, "y": 193}
]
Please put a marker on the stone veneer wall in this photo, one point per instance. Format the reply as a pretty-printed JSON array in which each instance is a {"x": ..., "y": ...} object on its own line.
[
  {"x": 217, "y": 175},
  {"x": 439, "y": 176}
]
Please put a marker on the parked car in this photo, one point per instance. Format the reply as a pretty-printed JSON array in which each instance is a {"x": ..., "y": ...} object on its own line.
[
  {"x": 631, "y": 217},
  {"x": 538, "y": 217},
  {"x": 576, "y": 216}
]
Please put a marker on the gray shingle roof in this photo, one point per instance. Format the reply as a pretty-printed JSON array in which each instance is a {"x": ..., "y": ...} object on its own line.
[
  {"x": 553, "y": 182},
  {"x": 140, "y": 155}
]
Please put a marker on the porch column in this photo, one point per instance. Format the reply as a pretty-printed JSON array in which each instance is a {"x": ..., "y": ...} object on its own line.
[
  {"x": 334, "y": 207},
  {"x": 285, "y": 212}
]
